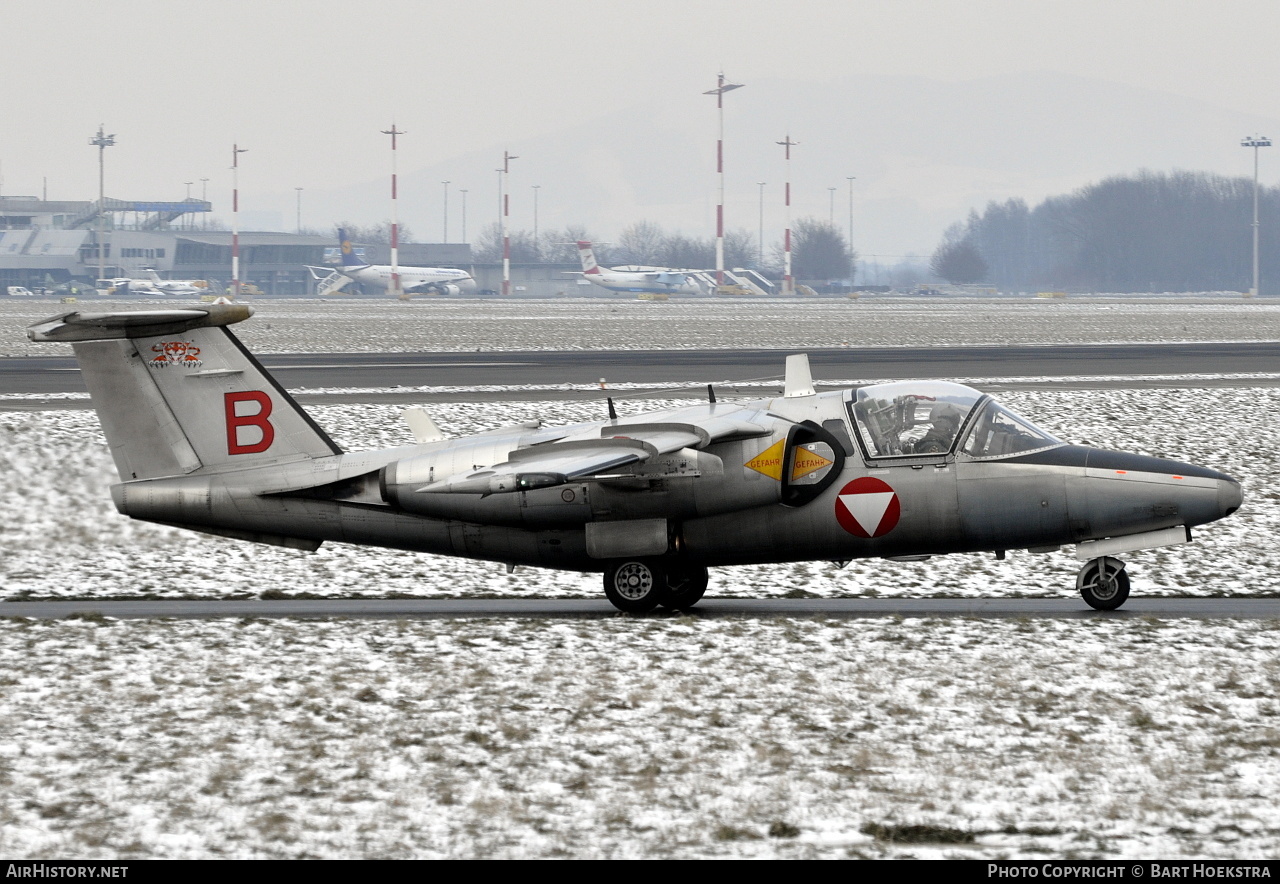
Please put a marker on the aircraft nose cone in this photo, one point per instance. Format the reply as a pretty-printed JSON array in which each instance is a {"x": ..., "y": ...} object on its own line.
[{"x": 1230, "y": 496}]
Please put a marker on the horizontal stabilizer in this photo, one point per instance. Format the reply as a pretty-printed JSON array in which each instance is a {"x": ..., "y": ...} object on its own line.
[{"x": 77, "y": 326}]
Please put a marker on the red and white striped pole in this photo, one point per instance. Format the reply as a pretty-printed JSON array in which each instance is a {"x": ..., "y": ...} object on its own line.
[
  {"x": 505, "y": 193},
  {"x": 236, "y": 150},
  {"x": 788, "y": 283},
  {"x": 721, "y": 88},
  {"x": 395, "y": 226}
]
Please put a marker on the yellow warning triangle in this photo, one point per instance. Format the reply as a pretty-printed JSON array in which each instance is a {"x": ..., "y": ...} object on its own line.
[
  {"x": 807, "y": 462},
  {"x": 769, "y": 461}
]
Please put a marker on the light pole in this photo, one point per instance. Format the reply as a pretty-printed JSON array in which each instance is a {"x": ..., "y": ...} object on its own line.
[
  {"x": 204, "y": 198},
  {"x": 1255, "y": 141},
  {"x": 721, "y": 88},
  {"x": 760, "y": 260},
  {"x": 186, "y": 222},
  {"x": 464, "y": 214},
  {"x": 102, "y": 142},
  {"x": 299, "y": 209},
  {"x": 236, "y": 150},
  {"x": 505, "y": 200},
  {"x": 395, "y": 227},
  {"x": 831, "y": 216},
  {"x": 446, "y": 210},
  {"x": 852, "y": 260},
  {"x": 536, "y": 250},
  {"x": 788, "y": 282}
]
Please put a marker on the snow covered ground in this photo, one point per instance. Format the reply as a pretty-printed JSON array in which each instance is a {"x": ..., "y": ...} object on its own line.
[
  {"x": 610, "y": 324},
  {"x": 642, "y": 737}
]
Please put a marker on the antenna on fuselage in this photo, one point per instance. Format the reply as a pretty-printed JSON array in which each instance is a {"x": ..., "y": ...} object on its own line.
[
  {"x": 711, "y": 394},
  {"x": 613, "y": 414}
]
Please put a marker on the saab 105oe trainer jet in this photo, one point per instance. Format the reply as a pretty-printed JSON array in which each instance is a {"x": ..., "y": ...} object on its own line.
[{"x": 204, "y": 438}]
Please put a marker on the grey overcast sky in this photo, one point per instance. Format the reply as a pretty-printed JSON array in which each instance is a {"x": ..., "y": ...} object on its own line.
[{"x": 306, "y": 85}]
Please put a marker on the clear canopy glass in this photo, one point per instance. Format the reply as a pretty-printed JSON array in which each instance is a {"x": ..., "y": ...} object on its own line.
[
  {"x": 999, "y": 431},
  {"x": 917, "y": 418},
  {"x": 911, "y": 417}
]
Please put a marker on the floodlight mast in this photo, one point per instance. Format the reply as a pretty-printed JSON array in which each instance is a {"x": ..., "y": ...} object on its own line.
[
  {"x": 396, "y": 288},
  {"x": 446, "y": 210},
  {"x": 1255, "y": 141},
  {"x": 852, "y": 261},
  {"x": 102, "y": 142},
  {"x": 721, "y": 88},
  {"x": 760, "y": 259}
]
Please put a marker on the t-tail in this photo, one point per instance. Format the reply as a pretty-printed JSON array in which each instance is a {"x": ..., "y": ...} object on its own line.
[
  {"x": 588, "y": 256},
  {"x": 178, "y": 394}
]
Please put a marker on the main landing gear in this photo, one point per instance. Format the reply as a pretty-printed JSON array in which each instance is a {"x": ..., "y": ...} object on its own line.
[
  {"x": 637, "y": 586},
  {"x": 1103, "y": 583}
]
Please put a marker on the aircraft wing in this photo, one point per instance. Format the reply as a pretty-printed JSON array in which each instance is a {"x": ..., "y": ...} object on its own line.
[
  {"x": 618, "y": 445},
  {"x": 542, "y": 466}
]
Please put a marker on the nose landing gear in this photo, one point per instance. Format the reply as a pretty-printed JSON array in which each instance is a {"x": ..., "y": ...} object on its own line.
[{"x": 1103, "y": 583}]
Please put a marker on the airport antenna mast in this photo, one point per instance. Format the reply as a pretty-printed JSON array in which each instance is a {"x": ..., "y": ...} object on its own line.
[
  {"x": 788, "y": 282},
  {"x": 236, "y": 150},
  {"x": 395, "y": 226},
  {"x": 102, "y": 141},
  {"x": 721, "y": 88},
  {"x": 1255, "y": 141},
  {"x": 504, "y": 197},
  {"x": 853, "y": 265}
]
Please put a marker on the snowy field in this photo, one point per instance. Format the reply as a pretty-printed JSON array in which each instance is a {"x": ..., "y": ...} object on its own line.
[
  {"x": 642, "y": 737},
  {"x": 283, "y": 326}
]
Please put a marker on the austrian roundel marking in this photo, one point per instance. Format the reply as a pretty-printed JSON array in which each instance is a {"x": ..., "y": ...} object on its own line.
[{"x": 868, "y": 507}]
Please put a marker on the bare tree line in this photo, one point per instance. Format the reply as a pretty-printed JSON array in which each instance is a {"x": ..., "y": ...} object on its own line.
[
  {"x": 1152, "y": 231},
  {"x": 819, "y": 250}
]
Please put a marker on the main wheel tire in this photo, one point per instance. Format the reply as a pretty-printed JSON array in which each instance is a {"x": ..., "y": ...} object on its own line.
[
  {"x": 685, "y": 587},
  {"x": 635, "y": 586},
  {"x": 1103, "y": 583}
]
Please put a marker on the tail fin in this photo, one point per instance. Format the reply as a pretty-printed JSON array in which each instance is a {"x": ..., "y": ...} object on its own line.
[
  {"x": 349, "y": 258},
  {"x": 588, "y": 256},
  {"x": 177, "y": 392},
  {"x": 153, "y": 276}
]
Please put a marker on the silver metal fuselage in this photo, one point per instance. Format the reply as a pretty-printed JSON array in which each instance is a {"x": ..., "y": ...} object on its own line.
[{"x": 802, "y": 488}]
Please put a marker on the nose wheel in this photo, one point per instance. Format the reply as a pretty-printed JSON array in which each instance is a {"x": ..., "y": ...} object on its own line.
[{"x": 1103, "y": 583}]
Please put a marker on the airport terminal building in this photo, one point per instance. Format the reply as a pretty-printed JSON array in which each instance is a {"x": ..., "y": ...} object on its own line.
[{"x": 46, "y": 243}]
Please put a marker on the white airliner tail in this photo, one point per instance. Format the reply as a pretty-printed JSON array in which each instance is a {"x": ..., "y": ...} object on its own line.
[{"x": 588, "y": 257}]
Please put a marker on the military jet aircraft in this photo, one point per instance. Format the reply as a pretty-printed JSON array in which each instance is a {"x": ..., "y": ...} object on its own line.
[{"x": 204, "y": 438}]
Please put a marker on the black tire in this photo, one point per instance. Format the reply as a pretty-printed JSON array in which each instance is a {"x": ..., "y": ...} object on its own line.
[
  {"x": 635, "y": 586},
  {"x": 1103, "y": 584},
  {"x": 685, "y": 587}
]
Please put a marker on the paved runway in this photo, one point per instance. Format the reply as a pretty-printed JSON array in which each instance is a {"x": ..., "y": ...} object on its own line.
[
  {"x": 40, "y": 375},
  {"x": 385, "y": 609}
]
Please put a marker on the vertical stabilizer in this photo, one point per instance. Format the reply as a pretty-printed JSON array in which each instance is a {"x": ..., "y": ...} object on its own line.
[
  {"x": 346, "y": 251},
  {"x": 177, "y": 392},
  {"x": 588, "y": 257}
]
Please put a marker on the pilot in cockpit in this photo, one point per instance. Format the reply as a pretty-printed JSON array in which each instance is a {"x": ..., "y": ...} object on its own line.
[{"x": 944, "y": 422}]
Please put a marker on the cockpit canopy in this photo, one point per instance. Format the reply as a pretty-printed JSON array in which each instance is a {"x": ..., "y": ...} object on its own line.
[{"x": 918, "y": 418}]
